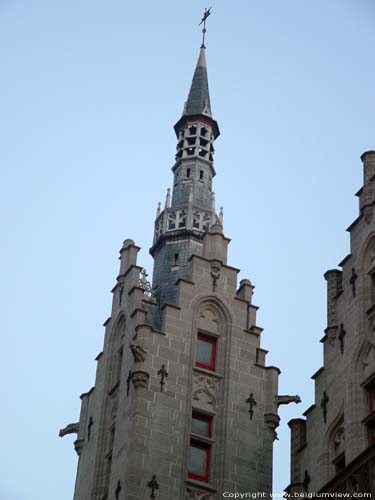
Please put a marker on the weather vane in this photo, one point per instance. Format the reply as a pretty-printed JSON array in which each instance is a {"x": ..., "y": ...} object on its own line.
[{"x": 206, "y": 13}]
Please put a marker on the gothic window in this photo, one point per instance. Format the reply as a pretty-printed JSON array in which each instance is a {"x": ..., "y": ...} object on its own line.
[
  {"x": 206, "y": 222},
  {"x": 191, "y": 141},
  {"x": 371, "y": 272},
  {"x": 204, "y": 131},
  {"x": 371, "y": 399},
  {"x": 339, "y": 449},
  {"x": 182, "y": 218},
  {"x": 172, "y": 220},
  {"x": 201, "y": 425},
  {"x": 206, "y": 351},
  {"x": 119, "y": 358},
  {"x": 188, "y": 173},
  {"x": 202, "y": 152},
  {"x": 199, "y": 465},
  {"x": 369, "y": 420},
  {"x": 201, "y": 174},
  {"x": 200, "y": 446},
  {"x": 192, "y": 130},
  {"x": 196, "y": 219}
]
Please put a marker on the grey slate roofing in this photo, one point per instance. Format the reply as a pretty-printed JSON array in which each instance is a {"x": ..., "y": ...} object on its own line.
[{"x": 198, "y": 102}]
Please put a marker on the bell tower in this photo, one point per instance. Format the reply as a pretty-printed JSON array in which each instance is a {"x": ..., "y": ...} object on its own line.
[
  {"x": 190, "y": 211},
  {"x": 184, "y": 405}
]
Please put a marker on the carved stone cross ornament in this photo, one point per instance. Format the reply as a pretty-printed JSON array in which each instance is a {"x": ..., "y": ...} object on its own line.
[
  {"x": 251, "y": 401},
  {"x": 306, "y": 481},
  {"x": 323, "y": 405},
  {"x": 352, "y": 281},
  {"x": 120, "y": 293},
  {"x": 163, "y": 375},
  {"x": 341, "y": 336},
  {"x": 118, "y": 490},
  {"x": 153, "y": 485},
  {"x": 89, "y": 427},
  {"x": 215, "y": 274}
]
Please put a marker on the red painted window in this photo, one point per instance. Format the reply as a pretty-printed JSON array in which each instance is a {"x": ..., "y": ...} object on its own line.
[
  {"x": 371, "y": 430},
  {"x": 201, "y": 425},
  {"x": 199, "y": 465},
  {"x": 206, "y": 352},
  {"x": 371, "y": 399}
]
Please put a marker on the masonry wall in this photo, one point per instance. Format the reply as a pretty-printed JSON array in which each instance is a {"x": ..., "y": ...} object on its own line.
[
  {"x": 335, "y": 429},
  {"x": 141, "y": 428}
]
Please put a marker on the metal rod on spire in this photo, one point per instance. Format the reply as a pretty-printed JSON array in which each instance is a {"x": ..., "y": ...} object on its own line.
[{"x": 206, "y": 13}]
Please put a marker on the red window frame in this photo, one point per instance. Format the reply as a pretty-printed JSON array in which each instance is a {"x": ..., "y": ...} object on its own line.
[
  {"x": 371, "y": 397},
  {"x": 371, "y": 431},
  {"x": 207, "y": 448},
  {"x": 210, "y": 340},
  {"x": 204, "y": 418}
]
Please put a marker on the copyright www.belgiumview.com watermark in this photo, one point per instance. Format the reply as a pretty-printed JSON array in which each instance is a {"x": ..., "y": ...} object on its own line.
[{"x": 255, "y": 495}]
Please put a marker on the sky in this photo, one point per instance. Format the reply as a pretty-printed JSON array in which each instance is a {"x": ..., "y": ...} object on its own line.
[{"x": 89, "y": 93}]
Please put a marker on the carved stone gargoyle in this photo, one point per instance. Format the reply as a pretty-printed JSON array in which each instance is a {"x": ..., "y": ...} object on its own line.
[
  {"x": 69, "y": 429},
  {"x": 285, "y": 400}
]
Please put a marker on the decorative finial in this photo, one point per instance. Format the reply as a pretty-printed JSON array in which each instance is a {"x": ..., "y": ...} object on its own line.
[
  {"x": 206, "y": 13},
  {"x": 158, "y": 210},
  {"x": 213, "y": 202},
  {"x": 168, "y": 199},
  {"x": 221, "y": 214}
]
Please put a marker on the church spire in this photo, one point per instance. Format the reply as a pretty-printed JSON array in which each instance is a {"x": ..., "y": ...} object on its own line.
[{"x": 198, "y": 102}]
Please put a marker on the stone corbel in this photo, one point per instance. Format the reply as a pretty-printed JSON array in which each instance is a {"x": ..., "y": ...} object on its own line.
[{"x": 140, "y": 378}]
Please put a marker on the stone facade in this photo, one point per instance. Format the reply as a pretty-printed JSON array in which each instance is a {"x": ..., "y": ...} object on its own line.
[
  {"x": 135, "y": 436},
  {"x": 333, "y": 448}
]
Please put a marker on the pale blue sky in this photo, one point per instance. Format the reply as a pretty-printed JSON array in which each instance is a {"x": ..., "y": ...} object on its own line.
[{"x": 89, "y": 92}]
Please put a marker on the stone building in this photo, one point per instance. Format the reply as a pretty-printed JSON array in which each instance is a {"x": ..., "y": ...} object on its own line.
[
  {"x": 184, "y": 405},
  {"x": 333, "y": 448}
]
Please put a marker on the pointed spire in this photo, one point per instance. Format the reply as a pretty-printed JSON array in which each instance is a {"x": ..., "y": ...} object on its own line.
[{"x": 198, "y": 102}]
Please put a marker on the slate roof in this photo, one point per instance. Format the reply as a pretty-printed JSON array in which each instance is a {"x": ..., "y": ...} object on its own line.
[{"x": 198, "y": 102}]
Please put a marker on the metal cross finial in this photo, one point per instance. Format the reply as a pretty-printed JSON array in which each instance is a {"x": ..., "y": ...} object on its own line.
[
  {"x": 251, "y": 401},
  {"x": 323, "y": 405},
  {"x": 341, "y": 337},
  {"x": 353, "y": 279},
  {"x": 306, "y": 481},
  {"x": 153, "y": 485},
  {"x": 118, "y": 490},
  {"x": 206, "y": 13},
  {"x": 164, "y": 374},
  {"x": 91, "y": 423}
]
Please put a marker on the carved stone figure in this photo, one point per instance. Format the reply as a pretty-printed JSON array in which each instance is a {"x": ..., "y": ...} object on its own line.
[
  {"x": 193, "y": 494},
  {"x": 139, "y": 354},
  {"x": 285, "y": 400},
  {"x": 208, "y": 319},
  {"x": 69, "y": 429},
  {"x": 339, "y": 441},
  {"x": 204, "y": 390}
]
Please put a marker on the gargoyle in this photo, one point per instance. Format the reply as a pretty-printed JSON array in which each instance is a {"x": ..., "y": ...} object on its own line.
[
  {"x": 285, "y": 400},
  {"x": 69, "y": 429}
]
